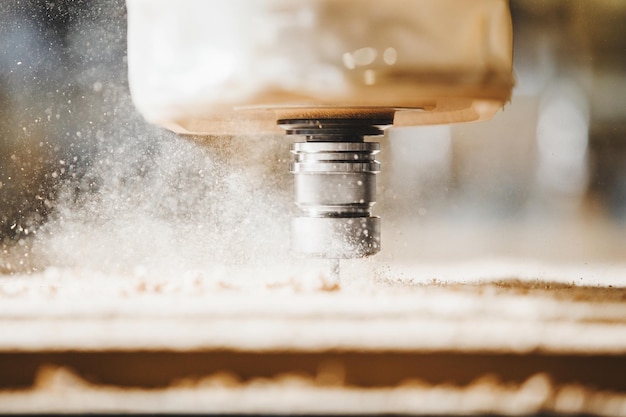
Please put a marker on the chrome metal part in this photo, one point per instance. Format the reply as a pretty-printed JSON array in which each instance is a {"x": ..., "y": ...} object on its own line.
[{"x": 335, "y": 187}]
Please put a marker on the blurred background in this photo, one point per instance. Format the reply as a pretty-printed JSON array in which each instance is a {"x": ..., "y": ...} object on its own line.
[{"x": 84, "y": 181}]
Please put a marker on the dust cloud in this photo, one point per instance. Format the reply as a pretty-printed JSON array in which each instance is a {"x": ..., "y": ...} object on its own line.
[{"x": 162, "y": 204}]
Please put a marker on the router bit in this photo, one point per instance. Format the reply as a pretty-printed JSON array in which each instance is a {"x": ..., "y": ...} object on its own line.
[{"x": 335, "y": 186}]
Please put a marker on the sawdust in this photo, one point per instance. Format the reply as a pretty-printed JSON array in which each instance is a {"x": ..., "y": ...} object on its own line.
[{"x": 61, "y": 390}]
